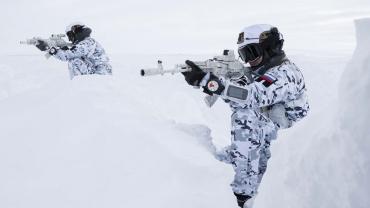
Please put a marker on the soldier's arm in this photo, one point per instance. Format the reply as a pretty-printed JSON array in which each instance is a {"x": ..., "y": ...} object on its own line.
[
  {"x": 267, "y": 90},
  {"x": 77, "y": 51}
]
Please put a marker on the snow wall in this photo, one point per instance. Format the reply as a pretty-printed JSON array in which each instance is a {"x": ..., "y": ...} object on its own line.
[
  {"x": 355, "y": 115},
  {"x": 324, "y": 160}
]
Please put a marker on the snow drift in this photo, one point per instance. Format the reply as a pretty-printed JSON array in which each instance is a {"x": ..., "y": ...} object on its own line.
[
  {"x": 355, "y": 116},
  {"x": 329, "y": 165}
]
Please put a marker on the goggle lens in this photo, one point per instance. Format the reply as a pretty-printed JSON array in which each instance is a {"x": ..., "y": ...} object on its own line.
[{"x": 250, "y": 52}]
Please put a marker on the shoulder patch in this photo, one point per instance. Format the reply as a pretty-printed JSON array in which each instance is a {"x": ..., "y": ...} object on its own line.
[{"x": 267, "y": 80}]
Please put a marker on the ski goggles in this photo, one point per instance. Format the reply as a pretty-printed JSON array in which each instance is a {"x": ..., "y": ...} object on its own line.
[
  {"x": 74, "y": 30},
  {"x": 250, "y": 52}
]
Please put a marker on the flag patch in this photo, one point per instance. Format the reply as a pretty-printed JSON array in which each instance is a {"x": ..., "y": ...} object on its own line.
[{"x": 266, "y": 80}]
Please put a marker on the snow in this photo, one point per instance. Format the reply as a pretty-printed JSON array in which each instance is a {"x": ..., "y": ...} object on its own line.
[
  {"x": 355, "y": 121},
  {"x": 129, "y": 141}
]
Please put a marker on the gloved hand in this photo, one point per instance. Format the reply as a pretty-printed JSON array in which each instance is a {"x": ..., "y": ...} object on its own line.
[
  {"x": 196, "y": 75},
  {"x": 41, "y": 45}
]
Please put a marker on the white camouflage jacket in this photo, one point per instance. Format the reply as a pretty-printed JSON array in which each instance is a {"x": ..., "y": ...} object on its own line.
[
  {"x": 280, "y": 94},
  {"x": 85, "y": 57}
]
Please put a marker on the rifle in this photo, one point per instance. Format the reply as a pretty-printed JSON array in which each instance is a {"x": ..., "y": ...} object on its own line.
[
  {"x": 55, "y": 40},
  {"x": 225, "y": 66}
]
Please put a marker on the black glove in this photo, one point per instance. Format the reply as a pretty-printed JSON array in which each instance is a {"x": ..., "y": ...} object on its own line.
[
  {"x": 196, "y": 75},
  {"x": 41, "y": 45}
]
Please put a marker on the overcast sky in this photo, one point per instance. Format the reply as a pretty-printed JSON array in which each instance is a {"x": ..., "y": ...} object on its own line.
[{"x": 191, "y": 26}]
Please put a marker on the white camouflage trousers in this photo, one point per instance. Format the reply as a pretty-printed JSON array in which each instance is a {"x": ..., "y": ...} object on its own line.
[{"x": 251, "y": 135}]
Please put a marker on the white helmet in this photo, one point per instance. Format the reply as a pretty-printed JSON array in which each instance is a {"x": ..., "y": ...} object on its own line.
[
  {"x": 74, "y": 24},
  {"x": 255, "y": 40}
]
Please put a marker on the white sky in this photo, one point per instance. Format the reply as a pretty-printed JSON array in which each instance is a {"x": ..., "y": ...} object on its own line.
[{"x": 190, "y": 26}]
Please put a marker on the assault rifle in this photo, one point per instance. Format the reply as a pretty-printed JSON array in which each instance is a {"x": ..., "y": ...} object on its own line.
[
  {"x": 225, "y": 66},
  {"x": 55, "y": 40}
]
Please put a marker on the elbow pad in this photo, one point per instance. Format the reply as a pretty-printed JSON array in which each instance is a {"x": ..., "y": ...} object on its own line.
[
  {"x": 53, "y": 51},
  {"x": 212, "y": 84}
]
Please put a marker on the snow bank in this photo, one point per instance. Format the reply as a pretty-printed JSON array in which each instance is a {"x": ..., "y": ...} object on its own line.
[
  {"x": 355, "y": 115},
  {"x": 101, "y": 141},
  {"x": 325, "y": 162}
]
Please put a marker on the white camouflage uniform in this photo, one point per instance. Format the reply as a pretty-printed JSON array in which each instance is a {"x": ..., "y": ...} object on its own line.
[
  {"x": 85, "y": 57},
  {"x": 274, "y": 101}
]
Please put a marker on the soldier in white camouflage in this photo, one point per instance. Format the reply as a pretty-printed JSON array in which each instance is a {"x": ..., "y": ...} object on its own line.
[
  {"x": 273, "y": 98},
  {"x": 86, "y": 56}
]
